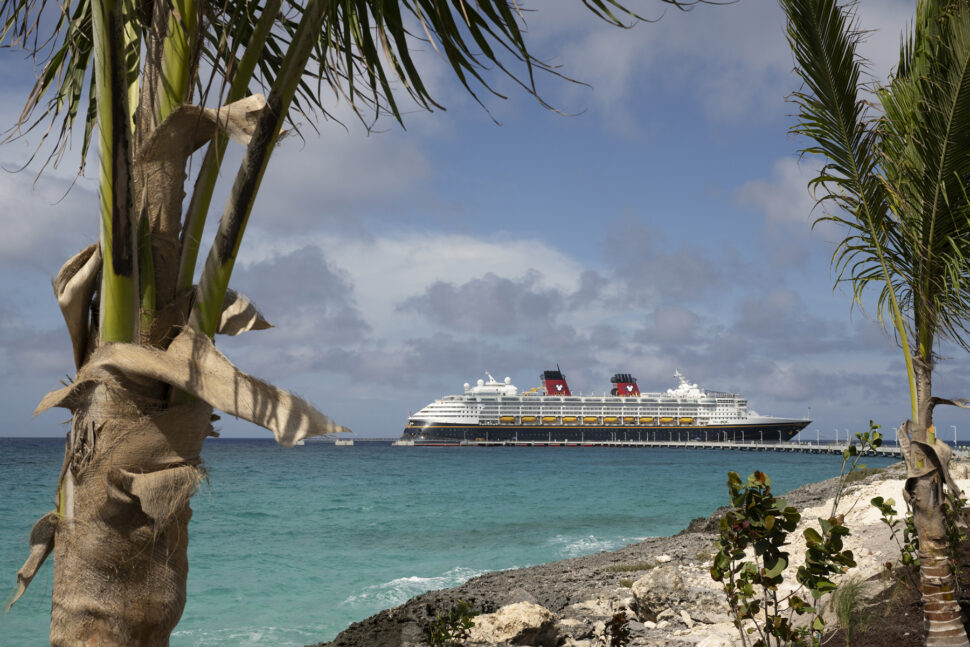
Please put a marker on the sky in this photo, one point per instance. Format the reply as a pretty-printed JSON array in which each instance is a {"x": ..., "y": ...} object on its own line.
[{"x": 659, "y": 220}]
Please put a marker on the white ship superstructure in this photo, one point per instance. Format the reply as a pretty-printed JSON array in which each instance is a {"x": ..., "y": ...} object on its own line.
[{"x": 497, "y": 410}]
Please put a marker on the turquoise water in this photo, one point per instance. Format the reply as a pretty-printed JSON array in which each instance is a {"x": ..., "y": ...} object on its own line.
[{"x": 289, "y": 546}]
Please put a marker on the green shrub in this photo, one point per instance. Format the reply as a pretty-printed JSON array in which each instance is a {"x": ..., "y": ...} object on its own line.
[
  {"x": 452, "y": 628},
  {"x": 904, "y": 534},
  {"x": 762, "y": 523},
  {"x": 868, "y": 441}
]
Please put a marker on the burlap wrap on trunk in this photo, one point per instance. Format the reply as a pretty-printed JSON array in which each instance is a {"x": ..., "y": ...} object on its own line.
[
  {"x": 126, "y": 522},
  {"x": 123, "y": 500}
]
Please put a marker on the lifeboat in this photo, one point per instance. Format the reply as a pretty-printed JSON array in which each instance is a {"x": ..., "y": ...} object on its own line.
[
  {"x": 548, "y": 418},
  {"x": 629, "y": 420},
  {"x": 569, "y": 418},
  {"x": 666, "y": 421},
  {"x": 611, "y": 419},
  {"x": 646, "y": 421},
  {"x": 589, "y": 419},
  {"x": 686, "y": 421},
  {"x": 528, "y": 418},
  {"x": 507, "y": 419}
]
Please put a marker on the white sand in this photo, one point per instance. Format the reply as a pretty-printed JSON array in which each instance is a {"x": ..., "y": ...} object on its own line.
[{"x": 869, "y": 540}]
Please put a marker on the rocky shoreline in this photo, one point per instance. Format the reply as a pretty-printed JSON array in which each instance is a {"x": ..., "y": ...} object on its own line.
[{"x": 662, "y": 585}]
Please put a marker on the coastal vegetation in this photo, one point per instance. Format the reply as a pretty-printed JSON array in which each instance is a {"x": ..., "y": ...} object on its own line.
[
  {"x": 848, "y": 604},
  {"x": 896, "y": 161},
  {"x": 162, "y": 88},
  {"x": 451, "y": 629},
  {"x": 751, "y": 561},
  {"x": 630, "y": 568},
  {"x": 851, "y": 469}
]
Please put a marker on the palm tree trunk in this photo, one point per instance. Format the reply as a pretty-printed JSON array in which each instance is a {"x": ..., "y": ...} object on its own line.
[
  {"x": 120, "y": 546},
  {"x": 927, "y": 462},
  {"x": 120, "y": 533},
  {"x": 941, "y": 609}
]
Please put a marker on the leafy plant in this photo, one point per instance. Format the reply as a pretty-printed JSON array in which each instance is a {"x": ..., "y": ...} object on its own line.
[
  {"x": 750, "y": 563},
  {"x": 851, "y": 455},
  {"x": 903, "y": 532},
  {"x": 451, "y": 629},
  {"x": 617, "y": 633}
]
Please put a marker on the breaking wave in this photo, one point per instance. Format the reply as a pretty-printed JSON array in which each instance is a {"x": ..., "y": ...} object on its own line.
[
  {"x": 402, "y": 589},
  {"x": 572, "y": 546}
]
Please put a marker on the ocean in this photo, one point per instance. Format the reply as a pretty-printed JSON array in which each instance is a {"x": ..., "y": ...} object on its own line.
[{"x": 289, "y": 546}]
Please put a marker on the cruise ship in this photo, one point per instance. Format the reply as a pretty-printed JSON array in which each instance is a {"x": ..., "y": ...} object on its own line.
[{"x": 496, "y": 411}]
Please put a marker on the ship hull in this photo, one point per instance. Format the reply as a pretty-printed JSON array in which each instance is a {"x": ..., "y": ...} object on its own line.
[{"x": 437, "y": 433}]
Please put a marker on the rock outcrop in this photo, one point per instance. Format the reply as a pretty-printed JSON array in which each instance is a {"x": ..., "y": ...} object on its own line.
[{"x": 522, "y": 623}]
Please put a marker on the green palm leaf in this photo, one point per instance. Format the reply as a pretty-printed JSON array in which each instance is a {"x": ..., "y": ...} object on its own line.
[
  {"x": 824, "y": 39},
  {"x": 927, "y": 151}
]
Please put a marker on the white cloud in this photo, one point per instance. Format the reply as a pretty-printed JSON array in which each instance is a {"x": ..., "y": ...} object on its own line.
[
  {"x": 784, "y": 198},
  {"x": 388, "y": 269},
  {"x": 337, "y": 175},
  {"x": 41, "y": 227}
]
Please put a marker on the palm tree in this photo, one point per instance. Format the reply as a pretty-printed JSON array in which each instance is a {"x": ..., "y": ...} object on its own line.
[
  {"x": 895, "y": 176},
  {"x": 158, "y": 81}
]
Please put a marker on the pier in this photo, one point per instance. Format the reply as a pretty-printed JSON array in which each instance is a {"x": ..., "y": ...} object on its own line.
[{"x": 892, "y": 451}]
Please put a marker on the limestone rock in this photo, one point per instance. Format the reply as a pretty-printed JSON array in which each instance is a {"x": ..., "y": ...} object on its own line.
[
  {"x": 605, "y": 606},
  {"x": 519, "y": 594},
  {"x": 687, "y": 619},
  {"x": 636, "y": 628},
  {"x": 716, "y": 640},
  {"x": 677, "y": 587},
  {"x": 522, "y": 623},
  {"x": 659, "y": 588},
  {"x": 575, "y": 628}
]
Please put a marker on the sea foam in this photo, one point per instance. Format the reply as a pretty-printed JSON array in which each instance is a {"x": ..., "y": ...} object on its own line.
[
  {"x": 571, "y": 546},
  {"x": 401, "y": 589}
]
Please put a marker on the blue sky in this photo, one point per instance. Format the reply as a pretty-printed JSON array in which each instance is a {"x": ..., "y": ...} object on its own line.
[{"x": 662, "y": 223}]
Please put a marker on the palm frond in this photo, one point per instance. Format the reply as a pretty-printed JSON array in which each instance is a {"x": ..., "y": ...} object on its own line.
[
  {"x": 363, "y": 55},
  {"x": 926, "y": 147},
  {"x": 824, "y": 38},
  {"x": 835, "y": 118}
]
